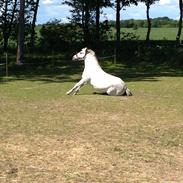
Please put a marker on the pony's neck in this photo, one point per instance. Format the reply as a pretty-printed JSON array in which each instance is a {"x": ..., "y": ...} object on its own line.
[{"x": 91, "y": 62}]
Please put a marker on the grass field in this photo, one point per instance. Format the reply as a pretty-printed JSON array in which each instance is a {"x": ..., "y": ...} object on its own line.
[
  {"x": 46, "y": 136},
  {"x": 156, "y": 33}
]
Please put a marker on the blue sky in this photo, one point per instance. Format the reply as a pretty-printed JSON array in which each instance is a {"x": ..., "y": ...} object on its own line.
[{"x": 50, "y": 9}]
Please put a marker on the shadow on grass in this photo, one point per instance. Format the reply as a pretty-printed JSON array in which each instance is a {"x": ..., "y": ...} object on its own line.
[
  {"x": 143, "y": 71},
  {"x": 69, "y": 71},
  {"x": 45, "y": 72}
]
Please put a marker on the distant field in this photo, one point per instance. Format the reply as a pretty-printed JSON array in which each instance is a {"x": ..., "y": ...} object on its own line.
[{"x": 156, "y": 33}]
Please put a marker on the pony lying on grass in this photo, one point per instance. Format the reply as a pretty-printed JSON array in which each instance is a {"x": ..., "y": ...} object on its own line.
[{"x": 97, "y": 77}]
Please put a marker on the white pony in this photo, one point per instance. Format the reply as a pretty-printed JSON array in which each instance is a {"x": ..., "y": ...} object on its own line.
[{"x": 97, "y": 77}]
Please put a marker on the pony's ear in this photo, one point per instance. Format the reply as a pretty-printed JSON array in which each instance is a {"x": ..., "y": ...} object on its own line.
[
  {"x": 90, "y": 51},
  {"x": 85, "y": 49}
]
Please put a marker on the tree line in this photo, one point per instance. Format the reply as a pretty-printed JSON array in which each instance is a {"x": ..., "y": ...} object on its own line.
[
  {"x": 160, "y": 22},
  {"x": 18, "y": 20}
]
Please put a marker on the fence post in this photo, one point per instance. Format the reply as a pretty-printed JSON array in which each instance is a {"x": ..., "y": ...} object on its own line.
[
  {"x": 138, "y": 51},
  {"x": 6, "y": 58},
  {"x": 115, "y": 52}
]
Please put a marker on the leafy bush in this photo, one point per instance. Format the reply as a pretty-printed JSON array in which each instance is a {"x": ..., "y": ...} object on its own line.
[
  {"x": 56, "y": 35},
  {"x": 129, "y": 36}
]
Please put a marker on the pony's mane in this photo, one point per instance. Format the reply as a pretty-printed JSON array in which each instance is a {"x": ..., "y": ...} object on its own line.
[{"x": 91, "y": 52}]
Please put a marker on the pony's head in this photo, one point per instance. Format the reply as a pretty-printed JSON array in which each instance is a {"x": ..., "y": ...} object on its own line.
[{"x": 82, "y": 54}]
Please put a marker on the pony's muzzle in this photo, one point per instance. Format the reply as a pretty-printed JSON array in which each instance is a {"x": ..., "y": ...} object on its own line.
[{"x": 74, "y": 58}]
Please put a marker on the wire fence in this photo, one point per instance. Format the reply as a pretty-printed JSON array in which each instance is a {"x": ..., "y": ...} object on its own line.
[{"x": 4, "y": 65}]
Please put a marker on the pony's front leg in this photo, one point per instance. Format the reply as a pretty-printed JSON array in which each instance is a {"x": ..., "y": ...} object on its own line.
[{"x": 77, "y": 87}]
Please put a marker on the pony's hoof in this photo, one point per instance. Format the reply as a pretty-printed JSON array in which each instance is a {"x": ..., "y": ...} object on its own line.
[{"x": 68, "y": 93}]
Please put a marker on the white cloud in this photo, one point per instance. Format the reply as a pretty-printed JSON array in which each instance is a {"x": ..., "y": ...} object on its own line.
[
  {"x": 165, "y": 2},
  {"x": 54, "y": 11},
  {"x": 64, "y": 20},
  {"x": 50, "y": 9},
  {"x": 169, "y": 8},
  {"x": 168, "y": 3},
  {"x": 137, "y": 15},
  {"x": 134, "y": 12},
  {"x": 107, "y": 16},
  {"x": 47, "y": 2}
]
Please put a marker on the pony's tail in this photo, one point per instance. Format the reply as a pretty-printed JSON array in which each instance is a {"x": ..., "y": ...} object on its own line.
[{"x": 128, "y": 92}]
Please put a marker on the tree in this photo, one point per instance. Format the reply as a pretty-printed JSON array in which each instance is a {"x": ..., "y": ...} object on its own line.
[
  {"x": 119, "y": 5},
  {"x": 21, "y": 31},
  {"x": 11, "y": 17},
  {"x": 33, "y": 33},
  {"x": 148, "y": 3},
  {"x": 180, "y": 21},
  {"x": 86, "y": 14},
  {"x": 118, "y": 27},
  {"x": 8, "y": 12},
  {"x": 81, "y": 15},
  {"x": 55, "y": 36},
  {"x": 98, "y": 5}
]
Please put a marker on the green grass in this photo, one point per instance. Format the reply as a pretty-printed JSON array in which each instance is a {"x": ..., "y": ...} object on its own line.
[
  {"x": 156, "y": 33},
  {"x": 46, "y": 136}
]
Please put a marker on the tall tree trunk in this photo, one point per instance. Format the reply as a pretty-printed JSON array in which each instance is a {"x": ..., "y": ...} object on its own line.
[
  {"x": 97, "y": 21},
  {"x": 5, "y": 33},
  {"x": 33, "y": 33},
  {"x": 12, "y": 17},
  {"x": 83, "y": 15},
  {"x": 86, "y": 23},
  {"x": 148, "y": 23},
  {"x": 8, "y": 24},
  {"x": 118, "y": 27},
  {"x": 20, "y": 48},
  {"x": 180, "y": 21}
]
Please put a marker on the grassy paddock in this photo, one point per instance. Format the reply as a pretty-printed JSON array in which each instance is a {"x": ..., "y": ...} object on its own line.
[
  {"x": 156, "y": 33},
  {"x": 46, "y": 136}
]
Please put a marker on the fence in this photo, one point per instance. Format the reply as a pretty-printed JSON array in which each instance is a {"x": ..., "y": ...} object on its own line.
[{"x": 4, "y": 65}]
